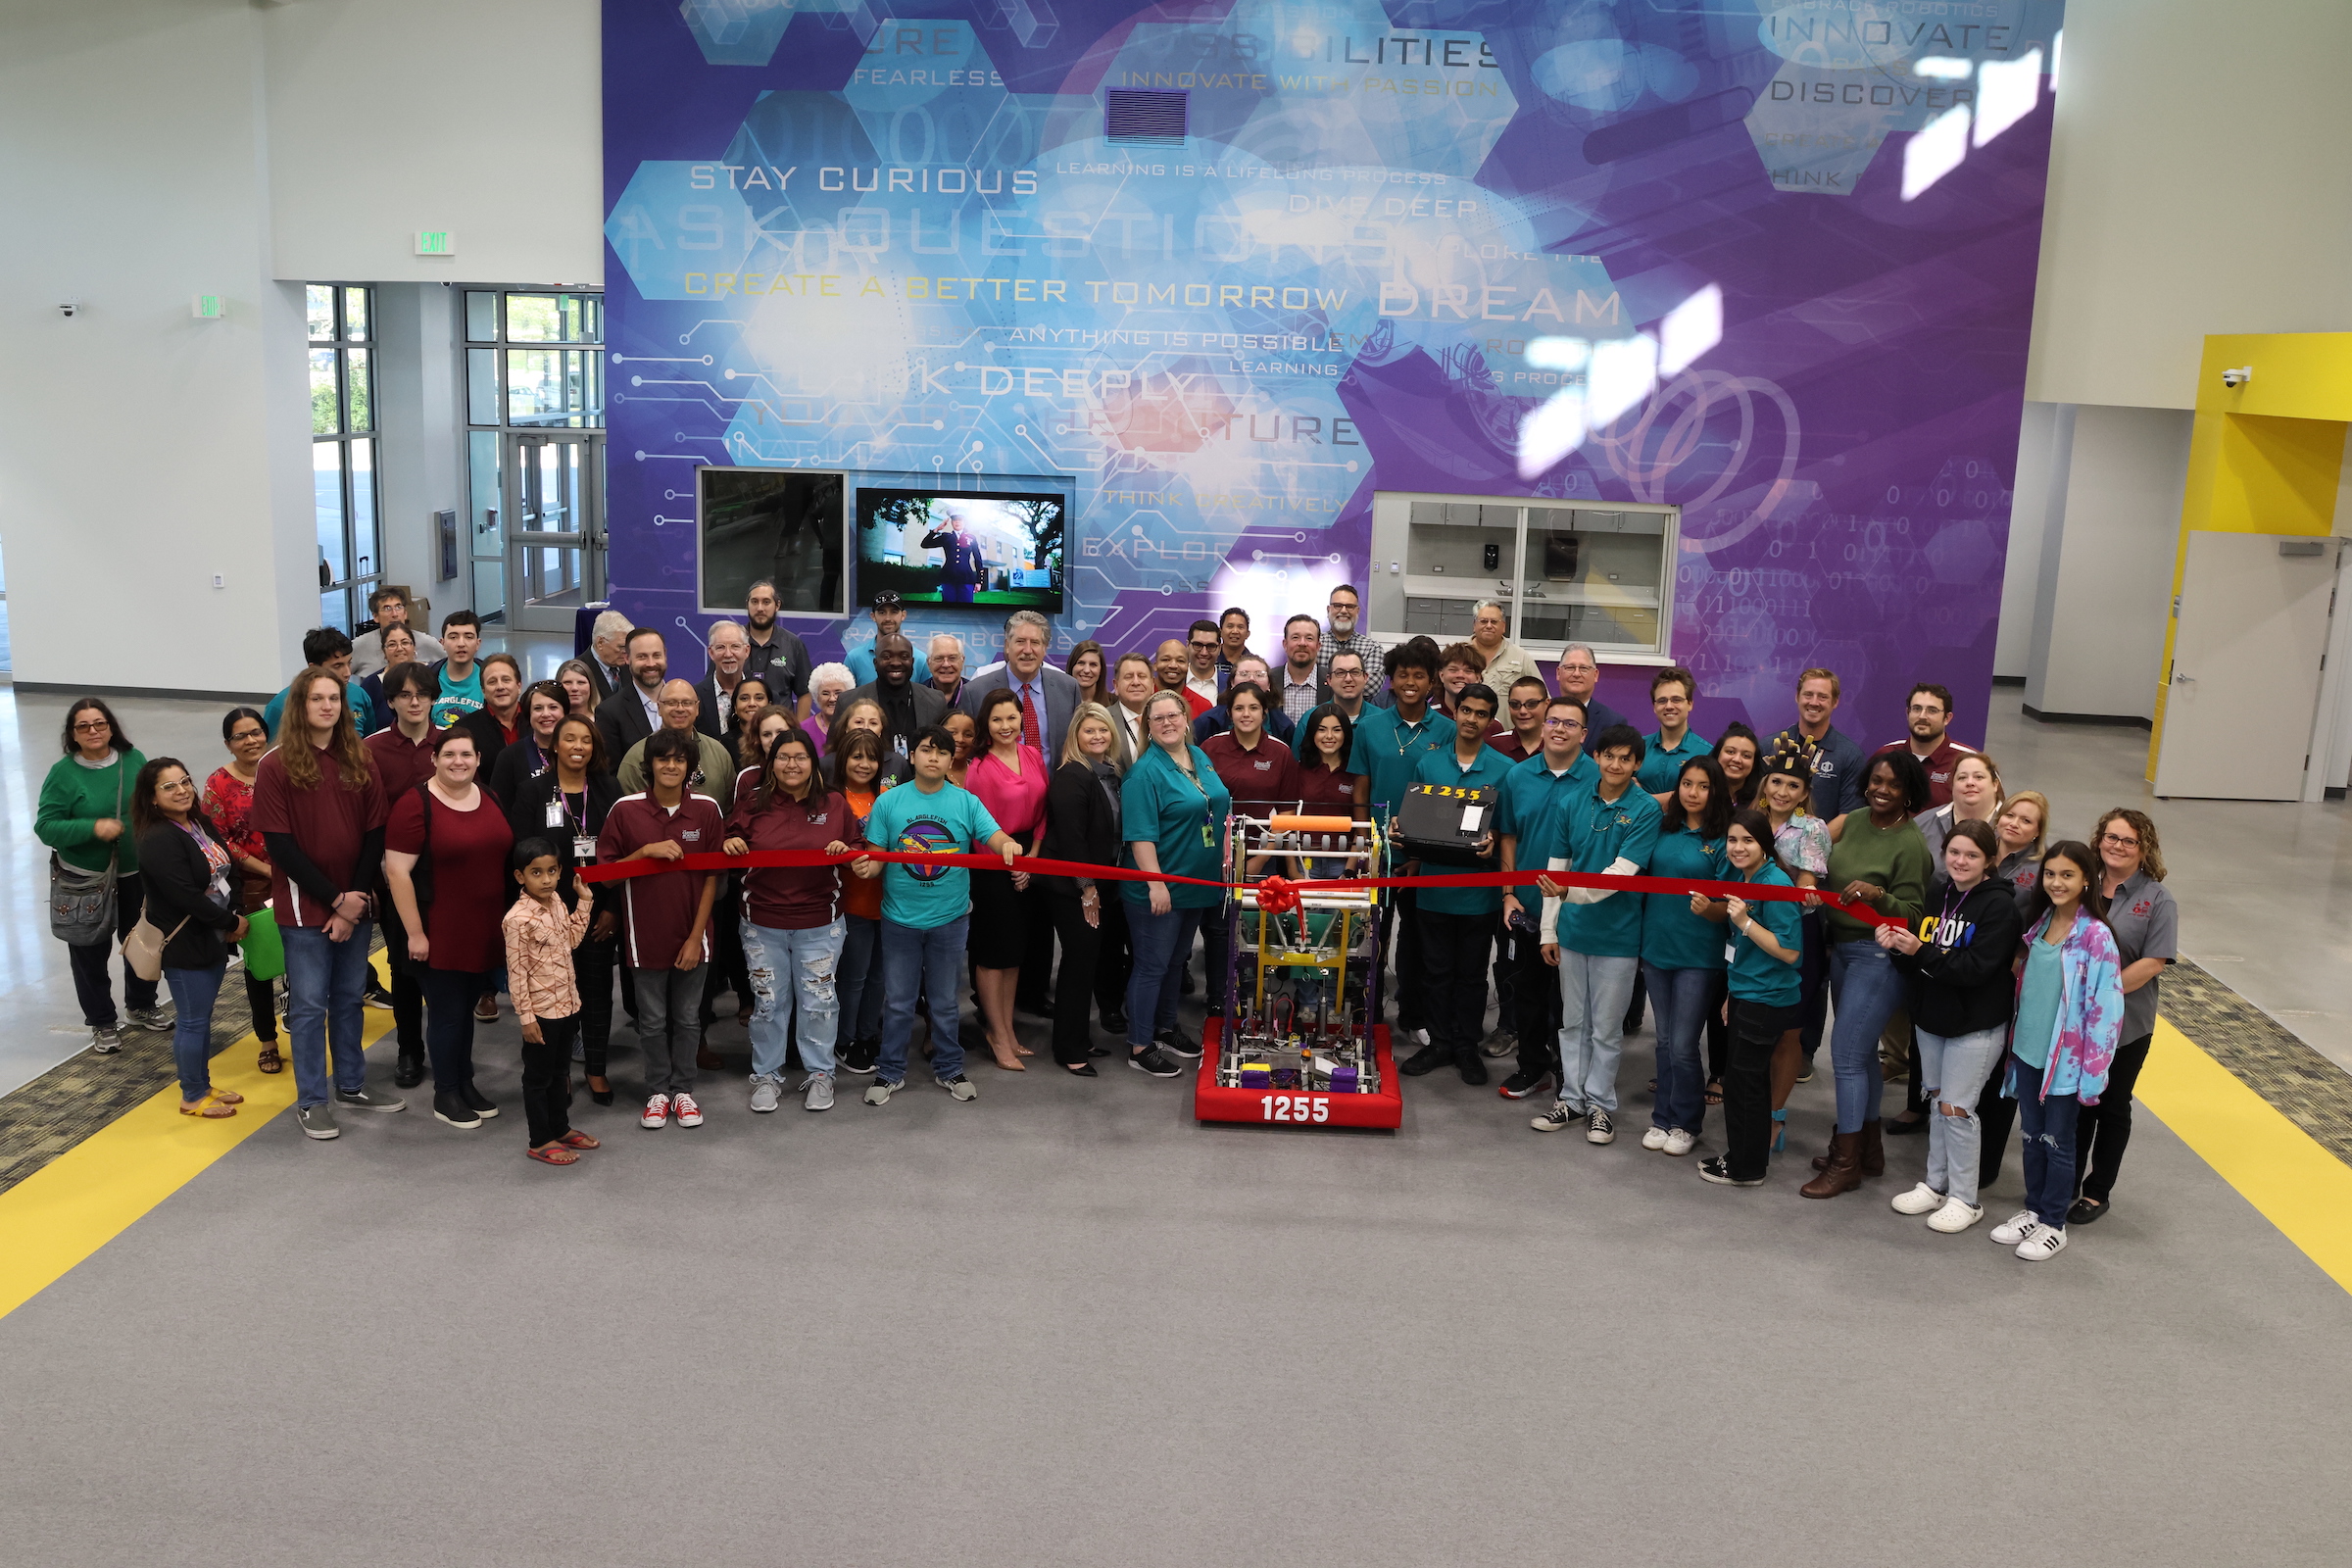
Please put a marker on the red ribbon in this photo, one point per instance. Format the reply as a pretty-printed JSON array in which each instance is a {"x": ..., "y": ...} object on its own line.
[{"x": 1285, "y": 890}]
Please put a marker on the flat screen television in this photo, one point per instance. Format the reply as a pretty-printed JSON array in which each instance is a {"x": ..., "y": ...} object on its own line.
[
  {"x": 990, "y": 549},
  {"x": 783, "y": 525}
]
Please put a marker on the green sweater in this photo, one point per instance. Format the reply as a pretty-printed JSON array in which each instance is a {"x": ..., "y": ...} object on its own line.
[
  {"x": 75, "y": 799},
  {"x": 1894, "y": 857}
]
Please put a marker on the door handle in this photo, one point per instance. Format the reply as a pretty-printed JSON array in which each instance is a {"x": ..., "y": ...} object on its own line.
[{"x": 2180, "y": 679}]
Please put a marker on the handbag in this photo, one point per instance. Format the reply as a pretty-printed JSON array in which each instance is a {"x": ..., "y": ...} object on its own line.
[
  {"x": 81, "y": 904},
  {"x": 143, "y": 949}
]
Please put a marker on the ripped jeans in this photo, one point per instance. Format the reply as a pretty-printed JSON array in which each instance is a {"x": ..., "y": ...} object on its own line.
[
  {"x": 794, "y": 969},
  {"x": 1952, "y": 1071}
]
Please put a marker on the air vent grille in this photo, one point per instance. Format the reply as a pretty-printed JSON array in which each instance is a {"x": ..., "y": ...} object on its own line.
[{"x": 1143, "y": 117}]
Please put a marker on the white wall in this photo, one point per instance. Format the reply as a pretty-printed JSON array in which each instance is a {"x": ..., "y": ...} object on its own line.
[
  {"x": 2197, "y": 185},
  {"x": 2027, "y": 506},
  {"x": 391, "y": 115},
  {"x": 140, "y": 449},
  {"x": 2115, "y": 479}
]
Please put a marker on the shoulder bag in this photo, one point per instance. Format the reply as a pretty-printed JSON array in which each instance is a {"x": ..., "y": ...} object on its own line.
[{"x": 81, "y": 904}]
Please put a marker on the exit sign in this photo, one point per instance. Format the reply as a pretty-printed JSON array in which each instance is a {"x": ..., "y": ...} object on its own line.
[
  {"x": 436, "y": 242},
  {"x": 209, "y": 308}
]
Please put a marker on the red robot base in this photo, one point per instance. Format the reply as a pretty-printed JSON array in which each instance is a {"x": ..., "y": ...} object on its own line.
[{"x": 1284, "y": 1103}]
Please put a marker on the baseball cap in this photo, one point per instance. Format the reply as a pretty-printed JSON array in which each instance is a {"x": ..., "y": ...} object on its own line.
[{"x": 888, "y": 598}]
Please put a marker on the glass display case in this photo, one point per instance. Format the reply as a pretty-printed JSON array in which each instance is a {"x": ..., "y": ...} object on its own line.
[{"x": 1563, "y": 574}]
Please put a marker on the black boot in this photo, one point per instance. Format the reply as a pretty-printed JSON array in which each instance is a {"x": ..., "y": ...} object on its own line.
[{"x": 409, "y": 1071}]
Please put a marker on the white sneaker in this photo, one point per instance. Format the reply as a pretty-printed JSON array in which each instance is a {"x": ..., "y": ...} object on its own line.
[
  {"x": 2043, "y": 1242},
  {"x": 765, "y": 1092},
  {"x": 2016, "y": 1228},
  {"x": 1920, "y": 1200},
  {"x": 1678, "y": 1142},
  {"x": 1954, "y": 1217},
  {"x": 1654, "y": 1138},
  {"x": 819, "y": 1088},
  {"x": 656, "y": 1113}
]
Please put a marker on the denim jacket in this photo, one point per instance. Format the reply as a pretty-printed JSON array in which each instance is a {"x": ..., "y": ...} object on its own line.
[{"x": 2090, "y": 1012}]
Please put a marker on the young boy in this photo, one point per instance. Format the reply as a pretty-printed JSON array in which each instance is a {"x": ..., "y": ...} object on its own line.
[
  {"x": 666, "y": 935},
  {"x": 926, "y": 909},
  {"x": 540, "y": 936}
]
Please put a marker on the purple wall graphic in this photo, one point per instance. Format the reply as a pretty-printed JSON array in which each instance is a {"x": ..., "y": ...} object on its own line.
[{"x": 897, "y": 240}]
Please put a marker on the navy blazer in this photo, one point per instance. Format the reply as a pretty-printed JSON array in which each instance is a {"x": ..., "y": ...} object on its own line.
[{"x": 1062, "y": 700}]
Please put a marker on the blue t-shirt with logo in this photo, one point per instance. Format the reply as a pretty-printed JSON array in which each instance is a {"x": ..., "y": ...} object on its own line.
[
  {"x": 949, "y": 819},
  {"x": 457, "y": 698}
]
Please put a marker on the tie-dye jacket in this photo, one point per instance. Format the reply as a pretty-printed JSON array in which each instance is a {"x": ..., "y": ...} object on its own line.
[{"x": 2090, "y": 1012}]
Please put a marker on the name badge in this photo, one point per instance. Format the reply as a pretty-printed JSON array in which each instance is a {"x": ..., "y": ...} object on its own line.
[
  {"x": 555, "y": 811},
  {"x": 1731, "y": 952},
  {"x": 583, "y": 852}
]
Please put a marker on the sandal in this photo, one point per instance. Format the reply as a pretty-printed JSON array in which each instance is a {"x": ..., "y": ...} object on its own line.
[
  {"x": 554, "y": 1155},
  {"x": 1714, "y": 1090},
  {"x": 578, "y": 1140},
  {"x": 210, "y": 1108},
  {"x": 226, "y": 1097},
  {"x": 271, "y": 1061}
]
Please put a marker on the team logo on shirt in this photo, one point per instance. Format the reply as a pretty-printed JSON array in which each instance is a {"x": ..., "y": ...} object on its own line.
[
  {"x": 691, "y": 835},
  {"x": 926, "y": 835},
  {"x": 2144, "y": 907}
]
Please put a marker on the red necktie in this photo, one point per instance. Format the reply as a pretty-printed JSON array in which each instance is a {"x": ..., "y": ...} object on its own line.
[{"x": 1029, "y": 731}]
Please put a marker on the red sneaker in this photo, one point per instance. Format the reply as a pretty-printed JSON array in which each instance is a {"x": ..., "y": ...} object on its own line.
[
  {"x": 689, "y": 1114},
  {"x": 657, "y": 1111}
]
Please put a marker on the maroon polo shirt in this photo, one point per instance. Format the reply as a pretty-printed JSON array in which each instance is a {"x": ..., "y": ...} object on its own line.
[
  {"x": 1266, "y": 772},
  {"x": 328, "y": 823},
  {"x": 659, "y": 908},
  {"x": 792, "y": 898}
]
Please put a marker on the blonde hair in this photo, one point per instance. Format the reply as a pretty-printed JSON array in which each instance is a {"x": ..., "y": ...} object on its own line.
[
  {"x": 1096, "y": 711},
  {"x": 2041, "y": 807}
]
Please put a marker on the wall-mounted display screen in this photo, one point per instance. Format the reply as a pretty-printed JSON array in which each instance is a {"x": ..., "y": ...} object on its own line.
[
  {"x": 990, "y": 549},
  {"x": 786, "y": 525}
]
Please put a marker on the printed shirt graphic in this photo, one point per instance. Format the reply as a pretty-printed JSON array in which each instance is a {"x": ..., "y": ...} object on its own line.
[
  {"x": 952, "y": 820},
  {"x": 1484, "y": 772},
  {"x": 457, "y": 698}
]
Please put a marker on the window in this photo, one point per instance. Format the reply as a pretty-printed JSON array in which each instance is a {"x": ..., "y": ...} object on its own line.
[
  {"x": 534, "y": 372},
  {"x": 343, "y": 437},
  {"x": 1594, "y": 575}
]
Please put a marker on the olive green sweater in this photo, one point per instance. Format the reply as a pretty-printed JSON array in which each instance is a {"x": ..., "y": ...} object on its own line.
[
  {"x": 1894, "y": 857},
  {"x": 75, "y": 797}
]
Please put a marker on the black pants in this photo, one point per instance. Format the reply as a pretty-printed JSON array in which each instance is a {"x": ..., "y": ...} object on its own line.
[
  {"x": 592, "y": 965},
  {"x": 91, "y": 987},
  {"x": 1081, "y": 945},
  {"x": 260, "y": 999},
  {"x": 1400, "y": 914},
  {"x": 547, "y": 1080},
  {"x": 449, "y": 998},
  {"x": 1996, "y": 1117},
  {"x": 1506, "y": 979},
  {"x": 1719, "y": 1038},
  {"x": 727, "y": 969},
  {"x": 2102, "y": 1130},
  {"x": 1536, "y": 1007},
  {"x": 1216, "y": 941},
  {"x": 1454, "y": 963},
  {"x": 1036, "y": 982},
  {"x": 1756, "y": 1029},
  {"x": 1114, "y": 958},
  {"x": 408, "y": 995}
]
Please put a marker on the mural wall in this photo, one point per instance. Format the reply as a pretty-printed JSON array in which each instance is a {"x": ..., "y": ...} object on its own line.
[{"x": 1771, "y": 263}]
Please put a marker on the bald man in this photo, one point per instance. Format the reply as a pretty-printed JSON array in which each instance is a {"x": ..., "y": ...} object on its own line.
[{"x": 714, "y": 773}]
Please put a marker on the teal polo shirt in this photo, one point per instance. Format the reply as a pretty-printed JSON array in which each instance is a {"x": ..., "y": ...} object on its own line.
[
  {"x": 1486, "y": 772},
  {"x": 1529, "y": 812},
  {"x": 1387, "y": 750},
  {"x": 1592, "y": 834},
  {"x": 1183, "y": 819},
  {"x": 1672, "y": 937},
  {"x": 1660, "y": 767},
  {"x": 1756, "y": 975}
]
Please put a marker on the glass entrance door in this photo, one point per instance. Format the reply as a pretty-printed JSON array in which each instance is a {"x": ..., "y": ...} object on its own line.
[{"x": 554, "y": 526}]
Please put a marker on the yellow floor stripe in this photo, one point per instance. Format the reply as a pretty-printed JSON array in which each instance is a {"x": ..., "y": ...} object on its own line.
[
  {"x": 86, "y": 1197},
  {"x": 2275, "y": 1165}
]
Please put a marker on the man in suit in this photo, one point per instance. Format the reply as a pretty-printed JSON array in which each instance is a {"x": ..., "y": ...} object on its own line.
[
  {"x": 729, "y": 650},
  {"x": 631, "y": 713},
  {"x": 609, "y": 653},
  {"x": 1049, "y": 696},
  {"x": 908, "y": 705},
  {"x": 1133, "y": 680}
]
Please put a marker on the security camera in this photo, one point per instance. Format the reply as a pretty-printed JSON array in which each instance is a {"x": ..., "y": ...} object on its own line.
[
  {"x": 2238, "y": 377},
  {"x": 69, "y": 307}
]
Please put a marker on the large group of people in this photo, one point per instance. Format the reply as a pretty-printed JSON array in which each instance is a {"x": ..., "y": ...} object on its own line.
[{"x": 1929, "y": 922}]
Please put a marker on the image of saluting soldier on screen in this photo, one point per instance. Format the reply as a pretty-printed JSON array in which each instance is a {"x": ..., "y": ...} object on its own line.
[{"x": 998, "y": 549}]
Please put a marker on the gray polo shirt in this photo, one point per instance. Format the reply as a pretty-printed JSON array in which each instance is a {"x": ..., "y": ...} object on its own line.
[{"x": 2146, "y": 924}]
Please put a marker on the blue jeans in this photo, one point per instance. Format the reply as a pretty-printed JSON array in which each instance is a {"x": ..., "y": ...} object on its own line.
[
  {"x": 931, "y": 964},
  {"x": 327, "y": 992},
  {"x": 1952, "y": 1070},
  {"x": 1594, "y": 992},
  {"x": 1865, "y": 988},
  {"x": 859, "y": 980},
  {"x": 1161, "y": 943},
  {"x": 1683, "y": 999},
  {"x": 2047, "y": 1127},
  {"x": 789, "y": 969},
  {"x": 192, "y": 993}
]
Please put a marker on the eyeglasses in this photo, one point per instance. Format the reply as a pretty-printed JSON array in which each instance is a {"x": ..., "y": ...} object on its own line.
[
  {"x": 2119, "y": 841},
  {"x": 1528, "y": 706},
  {"x": 1204, "y": 647},
  {"x": 1563, "y": 723},
  {"x": 93, "y": 726}
]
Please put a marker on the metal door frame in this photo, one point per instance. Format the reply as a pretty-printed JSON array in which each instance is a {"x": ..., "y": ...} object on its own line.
[{"x": 588, "y": 538}]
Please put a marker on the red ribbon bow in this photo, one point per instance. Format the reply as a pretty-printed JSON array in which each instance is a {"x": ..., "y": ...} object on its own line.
[{"x": 1277, "y": 897}]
